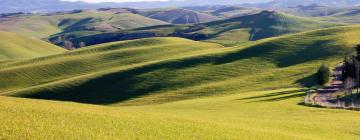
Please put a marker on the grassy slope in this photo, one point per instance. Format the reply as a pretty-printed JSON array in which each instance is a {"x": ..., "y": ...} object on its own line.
[
  {"x": 230, "y": 31},
  {"x": 233, "y": 11},
  {"x": 96, "y": 61},
  {"x": 262, "y": 25},
  {"x": 254, "y": 115},
  {"x": 14, "y": 46},
  {"x": 43, "y": 26},
  {"x": 178, "y": 16},
  {"x": 173, "y": 70}
]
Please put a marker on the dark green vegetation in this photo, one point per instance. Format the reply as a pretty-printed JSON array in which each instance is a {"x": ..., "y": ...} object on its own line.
[{"x": 323, "y": 75}]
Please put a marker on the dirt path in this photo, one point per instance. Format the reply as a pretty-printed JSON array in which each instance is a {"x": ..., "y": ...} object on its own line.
[{"x": 328, "y": 95}]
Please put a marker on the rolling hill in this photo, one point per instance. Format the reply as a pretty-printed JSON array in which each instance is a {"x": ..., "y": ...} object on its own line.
[
  {"x": 76, "y": 23},
  {"x": 238, "y": 29},
  {"x": 260, "y": 84},
  {"x": 178, "y": 16},
  {"x": 168, "y": 69},
  {"x": 14, "y": 46}
]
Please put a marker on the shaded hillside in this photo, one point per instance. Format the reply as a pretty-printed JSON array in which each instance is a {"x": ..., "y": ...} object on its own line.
[
  {"x": 14, "y": 46},
  {"x": 173, "y": 70}
]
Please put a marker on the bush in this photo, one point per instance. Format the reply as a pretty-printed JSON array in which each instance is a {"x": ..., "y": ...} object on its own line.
[{"x": 323, "y": 75}]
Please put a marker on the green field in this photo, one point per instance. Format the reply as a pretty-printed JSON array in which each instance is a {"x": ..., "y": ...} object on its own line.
[
  {"x": 79, "y": 23},
  {"x": 237, "y": 29},
  {"x": 245, "y": 115},
  {"x": 178, "y": 15},
  {"x": 14, "y": 46},
  {"x": 158, "y": 70},
  {"x": 174, "y": 88}
]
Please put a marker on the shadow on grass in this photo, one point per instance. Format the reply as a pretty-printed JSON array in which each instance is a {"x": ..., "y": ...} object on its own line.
[
  {"x": 275, "y": 96},
  {"x": 308, "y": 81}
]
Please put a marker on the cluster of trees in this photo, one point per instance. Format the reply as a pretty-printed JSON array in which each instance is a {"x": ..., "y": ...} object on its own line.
[{"x": 351, "y": 71}]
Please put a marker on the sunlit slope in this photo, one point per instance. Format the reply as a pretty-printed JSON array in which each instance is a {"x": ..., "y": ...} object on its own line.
[
  {"x": 14, "y": 46},
  {"x": 94, "y": 62},
  {"x": 160, "y": 74},
  {"x": 270, "y": 115},
  {"x": 178, "y": 16},
  {"x": 259, "y": 26},
  {"x": 77, "y": 23},
  {"x": 238, "y": 29}
]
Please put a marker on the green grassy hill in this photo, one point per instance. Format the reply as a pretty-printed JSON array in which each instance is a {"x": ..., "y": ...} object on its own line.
[
  {"x": 77, "y": 23},
  {"x": 233, "y": 11},
  {"x": 256, "y": 88},
  {"x": 160, "y": 70},
  {"x": 261, "y": 115},
  {"x": 258, "y": 26},
  {"x": 179, "y": 16},
  {"x": 14, "y": 46},
  {"x": 230, "y": 31}
]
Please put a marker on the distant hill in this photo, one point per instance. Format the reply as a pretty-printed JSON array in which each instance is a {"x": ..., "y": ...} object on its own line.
[
  {"x": 14, "y": 46},
  {"x": 258, "y": 26},
  {"x": 76, "y": 22},
  {"x": 12, "y": 6},
  {"x": 334, "y": 14},
  {"x": 291, "y": 3},
  {"x": 179, "y": 16},
  {"x": 224, "y": 11},
  {"x": 240, "y": 29}
]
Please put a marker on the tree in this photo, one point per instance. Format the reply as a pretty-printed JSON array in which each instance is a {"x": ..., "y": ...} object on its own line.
[
  {"x": 323, "y": 75},
  {"x": 357, "y": 48}
]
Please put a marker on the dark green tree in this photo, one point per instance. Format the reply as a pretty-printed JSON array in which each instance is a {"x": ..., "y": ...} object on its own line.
[{"x": 323, "y": 75}]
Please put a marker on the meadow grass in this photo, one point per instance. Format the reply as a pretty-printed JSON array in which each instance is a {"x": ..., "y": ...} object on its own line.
[
  {"x": 42, "y": 26},
  {"x": 246, "y": 115},
  {"x": 13, "y": 46}
]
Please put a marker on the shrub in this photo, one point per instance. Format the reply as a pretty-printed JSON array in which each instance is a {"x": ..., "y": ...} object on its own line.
[{"x": 323, "y": 75}]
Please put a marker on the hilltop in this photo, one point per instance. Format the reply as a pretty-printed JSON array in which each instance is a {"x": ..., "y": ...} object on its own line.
[
  {"x": 76, "y": 22},
  {"x": 13, "y": 46}
]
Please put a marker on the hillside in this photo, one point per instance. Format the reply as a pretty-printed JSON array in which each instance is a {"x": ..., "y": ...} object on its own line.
[
  {"x": 178, "y": 16},
  {"x": 258, "y": 26},
  {"x": 162, "y": 70},
  {"x": 261, "y": 115},
  {"x": 238, "y": 29},
  {"x": 176, "y": 69},
  {"x": 14, "y": 46},
  {"x": 76, "y": 23}
]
